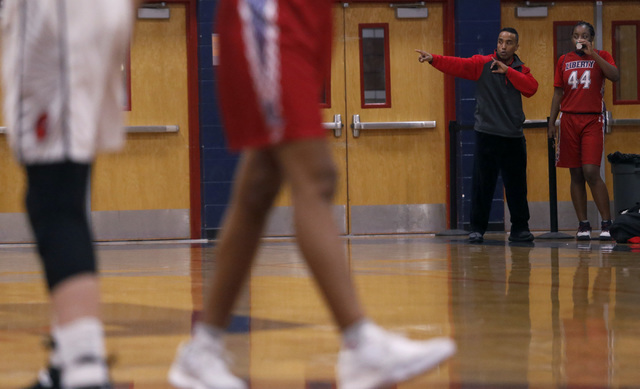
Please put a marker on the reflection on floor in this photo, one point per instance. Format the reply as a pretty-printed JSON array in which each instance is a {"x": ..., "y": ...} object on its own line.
[{"x": 542, "y": 315}]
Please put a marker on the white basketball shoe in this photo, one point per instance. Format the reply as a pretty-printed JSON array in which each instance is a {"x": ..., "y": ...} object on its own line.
[
  {"x": 382, "y": 359},
  {"x": 201, "y": 364}
]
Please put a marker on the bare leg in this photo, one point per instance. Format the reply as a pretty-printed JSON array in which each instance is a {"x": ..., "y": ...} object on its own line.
[
  {"x": 578, "y": 193},
  {"x": 257, "y": 183},
  {"x": 309, "y": 167},
  {"x": 75, "y": 298},
  {"x": 598, "y": 190},
  {"x": 200, "y": 362}
]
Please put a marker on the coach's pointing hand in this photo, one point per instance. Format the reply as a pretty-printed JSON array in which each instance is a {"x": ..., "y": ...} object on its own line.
[{"x": 424, "y": 56}]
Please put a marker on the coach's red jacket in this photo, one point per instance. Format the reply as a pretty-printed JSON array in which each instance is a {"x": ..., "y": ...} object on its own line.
[{"x": 498, "y": 96}]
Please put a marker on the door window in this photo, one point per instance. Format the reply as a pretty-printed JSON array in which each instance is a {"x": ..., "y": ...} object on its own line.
[
  {"x": 374, "y": 65},
  {"x": 562, "y": 39},
  {"x": 625, "y": 53}
]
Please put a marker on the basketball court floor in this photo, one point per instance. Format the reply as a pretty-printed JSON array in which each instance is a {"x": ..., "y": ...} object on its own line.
[{"x": 552, "y": 314}]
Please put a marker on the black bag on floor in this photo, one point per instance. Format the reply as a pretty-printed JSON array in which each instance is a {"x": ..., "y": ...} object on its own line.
[{"x": 626, "y": 225}]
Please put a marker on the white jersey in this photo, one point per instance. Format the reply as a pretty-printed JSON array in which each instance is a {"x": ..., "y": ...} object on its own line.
[{"x": 63, "y": 85}]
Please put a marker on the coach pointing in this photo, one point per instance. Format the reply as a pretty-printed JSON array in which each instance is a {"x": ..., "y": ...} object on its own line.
[{"x": 501, "y": 79}]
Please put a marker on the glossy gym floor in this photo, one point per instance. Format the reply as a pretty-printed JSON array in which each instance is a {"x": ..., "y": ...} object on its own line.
[{"x": 551, "y": 314}]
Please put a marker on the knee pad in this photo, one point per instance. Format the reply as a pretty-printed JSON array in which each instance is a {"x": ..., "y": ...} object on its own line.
[{"x": 56, "y": 205}]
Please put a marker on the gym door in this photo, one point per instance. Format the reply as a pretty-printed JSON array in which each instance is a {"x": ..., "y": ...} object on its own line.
[
  {"x": 394, "y": 111},
  {"x": 384, "y": 112}
]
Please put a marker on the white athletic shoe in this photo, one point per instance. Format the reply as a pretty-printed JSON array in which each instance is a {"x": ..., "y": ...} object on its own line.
[
  {"x": 383, "y": 359},
  {"x": 584, "y": 231},
  {"x": 605, "y": 233},
  {"x": 202, "y": 365}
]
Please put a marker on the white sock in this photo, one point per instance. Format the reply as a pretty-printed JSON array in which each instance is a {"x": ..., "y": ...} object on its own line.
[
  {"x": 352, "y": 335},
  {"x": 207, "y": 333},
  {"x": 80, "y": 347}
]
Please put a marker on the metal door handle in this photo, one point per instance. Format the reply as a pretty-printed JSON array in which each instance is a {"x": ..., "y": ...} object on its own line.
[
  {"x": 609, "y": 122},
  {"x": 357, "y": 125},
  {"x": 625, "y": 122},
  {"x": 134, "y": 129},
  {"x": 151, "y": 129},
  {"x": 540, "y": 121},
  {"x": 336, "y": 126}
]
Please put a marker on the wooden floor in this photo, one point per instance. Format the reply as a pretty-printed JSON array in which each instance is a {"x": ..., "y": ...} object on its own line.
[{"x": 545, "y": 315}]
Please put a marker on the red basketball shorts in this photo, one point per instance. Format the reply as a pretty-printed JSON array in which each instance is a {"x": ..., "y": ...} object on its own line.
[
  {"x": 274, "y": 58},
  {"x": 581, "y": 140}
]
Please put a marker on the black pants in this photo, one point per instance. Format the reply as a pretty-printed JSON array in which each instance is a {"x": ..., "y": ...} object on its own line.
[{"x": 506, "y": 156}]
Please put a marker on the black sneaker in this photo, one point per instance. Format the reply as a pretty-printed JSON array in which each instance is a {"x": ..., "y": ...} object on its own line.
[
  {"x": 476, "y": 237},
  {"x": 105, "y": 386},
  {"x": 93, "y": 360},
  {"x": 47, "y": 379},
  {"x": 50, "y": 379},
  {"x": 584, "y": 231},
  {"x": 521, "y": 236}
]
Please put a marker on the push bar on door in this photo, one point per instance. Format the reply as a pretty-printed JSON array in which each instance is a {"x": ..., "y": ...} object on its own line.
[
  {"x": 336, "y": 125},
  {"x": 357, "y": 125},
  {"x": 134, "y": 129}
]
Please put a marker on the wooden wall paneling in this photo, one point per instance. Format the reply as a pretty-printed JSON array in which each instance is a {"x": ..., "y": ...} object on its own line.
[
  {"x": 153, "y": 170},
  {"x": 12, "y": 180}
]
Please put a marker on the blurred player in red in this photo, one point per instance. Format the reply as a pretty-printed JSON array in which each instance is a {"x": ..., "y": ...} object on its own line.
[
  {"x": 274, "y": 56},
  {"x": 578, "y": 94}
]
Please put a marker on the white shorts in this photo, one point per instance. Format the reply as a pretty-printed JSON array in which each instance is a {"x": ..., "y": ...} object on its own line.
[{"x": 63, "y": 83}]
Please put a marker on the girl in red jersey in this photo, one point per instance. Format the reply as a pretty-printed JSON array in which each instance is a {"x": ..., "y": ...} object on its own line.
[
  {"x": 579, "y": 89},
  {"x": 274, "y": 57}
]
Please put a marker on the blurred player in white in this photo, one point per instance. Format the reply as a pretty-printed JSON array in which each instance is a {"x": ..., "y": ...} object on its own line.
[{"x": 63, "y": 99}]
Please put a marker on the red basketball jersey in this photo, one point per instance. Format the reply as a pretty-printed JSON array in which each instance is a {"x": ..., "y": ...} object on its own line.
[{"x": 582, "y": 81}]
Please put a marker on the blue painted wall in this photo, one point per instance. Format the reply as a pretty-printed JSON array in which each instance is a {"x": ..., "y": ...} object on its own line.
[
  {"x": 477, "y": 26},
  {"x": 217, "y": 164}
]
